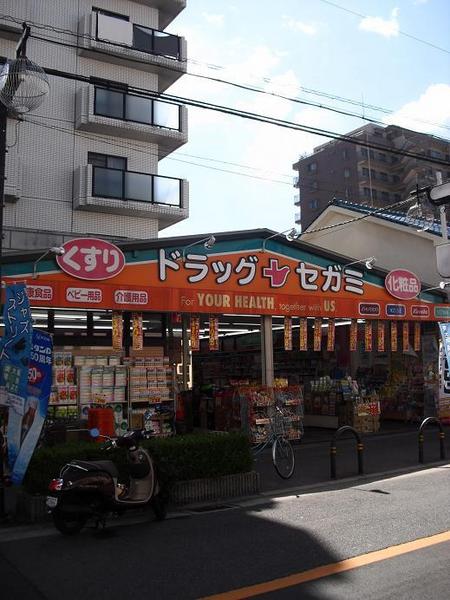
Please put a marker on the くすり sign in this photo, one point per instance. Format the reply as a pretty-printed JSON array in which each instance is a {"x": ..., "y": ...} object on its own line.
[{"x": 91, "y": 259}]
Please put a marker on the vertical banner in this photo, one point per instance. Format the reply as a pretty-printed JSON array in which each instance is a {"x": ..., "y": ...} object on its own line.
[
  {"x": 381, "y": 336},
  {"x": 317, "y": 334},
  {"x": 368, "y": 336},
  {"x": 417, "y": 336},
  {"x": 213, "y": 332},
  {"x": 394, "y": 336},
  {"x": 14, "y": 358},
  {"x": 138, "y": 335},
  {"x": 195, "y": 334},
  {"x": 117, "y": 331},
  {"x": 405, "y": 336},
  {"x": 331, "y": 335},
  {"x": 303, "y": 334},
  {"x": 36, "y": 404},
  {"x": 288, "y": 333},
  {"x": 353, "y": 335}
]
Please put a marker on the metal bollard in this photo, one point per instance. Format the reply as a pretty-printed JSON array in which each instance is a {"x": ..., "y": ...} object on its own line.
[
  {"x": 359, "y": 449},
  {"x": 424, "y": 424}
]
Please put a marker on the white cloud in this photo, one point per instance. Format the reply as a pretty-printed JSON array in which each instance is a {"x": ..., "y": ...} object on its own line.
[
  {"x": 385, "y": 27},
  {"x": 433, "y": 104},
  {"x": 213, "y": 19},
  {"x": 298, "y": 26}
]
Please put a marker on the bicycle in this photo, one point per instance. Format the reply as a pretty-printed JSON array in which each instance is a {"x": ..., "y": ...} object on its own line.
[{"x": 283, "y": 457}]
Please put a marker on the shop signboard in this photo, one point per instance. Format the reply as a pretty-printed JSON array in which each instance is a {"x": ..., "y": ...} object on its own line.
[
  {"x": 288, "y": 333},
  {"x": 91, "y": 259},
  {"x": 331, "y": 335},
  {"x": 36, "y": 402},
  {"x": 317, "y": 335},
  {"x": 213, "y": 332},
  {"x": 117, "y": 330},
  {"x": 368, "y": 336},
  {"x": 137, "y": 329},
  {"x": 381, "y": 336},
  {"x": 402, "y": 284},
  {"x": 417, "y": 336},
  {"x": 353, "y": 335},
  {"x": 195, "y": 333},
  {"x": 394, "y": 336},
  {"x": 303, "y": 334},
  {"x": 405, "y": 336}
]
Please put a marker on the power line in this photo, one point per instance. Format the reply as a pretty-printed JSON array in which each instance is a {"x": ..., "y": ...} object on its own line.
[{"x": 408, "y": 35}]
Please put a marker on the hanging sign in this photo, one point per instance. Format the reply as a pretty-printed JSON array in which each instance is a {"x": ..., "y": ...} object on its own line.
[
  {"x": 417, "y": 336},
  {"x": 394, "y": 336},
  {"x": 381, "y": 336},
  {"x": 138, "y": 335},
  {"x": 317, "y": 335},
  {"x": 331, "y": 335},
  {"x": 405, "y": 336},
  {"x": 402, "y": 284},
  {"x": 288, "y": 333},
  {"x": 36, "y": 404},
  {"x": 303, "y": 335},
  {"x": 213, "y": 332},
  {"x": 368, "y": 336},
  {"x": 195, "y": 334},
  {"x": 117, "y": 331},
  {"x": 353, "y": 335},
  {"x": 91, "y": 258}
]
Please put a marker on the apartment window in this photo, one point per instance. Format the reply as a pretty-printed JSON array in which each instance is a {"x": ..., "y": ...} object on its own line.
[
  {"x": 345, "y": 153},
  {"x": 435, "y": 154},
  {"x": 394, "y": 159},
  {"x": 364, "y": 152},
  {"x": 113, "y": 15},
  {"x": 385, "y": 196},
  {"x": 312, "y": 167},
  {"x": 365, "y": 172},
  {"x": 381, "y": 157},
  {"x": 346, "y": 173},
  {"x": 366, "y": 192},
  {"x": 107, "y": 175},
  {"x": 107, "y": 161},
  {"x": 383, "y": 176},
  {"x": 374, "y": 194},
  {"x": 313, "y": 204},
  {"x": 315, "y": 185}
]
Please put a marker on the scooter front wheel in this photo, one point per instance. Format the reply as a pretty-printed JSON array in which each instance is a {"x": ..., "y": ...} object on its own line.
[
  {"x": 68, "y": 524},
  {"x": 159, "y": 507}
]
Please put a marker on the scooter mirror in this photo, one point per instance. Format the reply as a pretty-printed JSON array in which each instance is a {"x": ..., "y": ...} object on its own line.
[{"x": 94, "y": 432}]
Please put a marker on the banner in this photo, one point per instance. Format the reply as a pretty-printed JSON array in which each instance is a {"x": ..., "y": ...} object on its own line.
[
  {"x": 288, "y": 333},
  {"x": 36, "y": 404},
  {"x": 368, "y": 336},
  {"x": 417, "y": 336},
  {"x": 317, "y": 335},
  {"x": 213, "y": 332},
  {"x": 195, "y": 334},
  {"x": 353, "y": 335},
  {"x": 14, "y": 358},
  {"x": 445, "y": 334},
  {"x": 138, "y": 334},
  {"x": 331, "y": 335},
  {"x": 394, "y": 336},
  {"x": 405, "y": 336},
  {"x": 117, "y": 331},
  {"x": 303, "y": 334},
  {"x": 381, "y": 336}
]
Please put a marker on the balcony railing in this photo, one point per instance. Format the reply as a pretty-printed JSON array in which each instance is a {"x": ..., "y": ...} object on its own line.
[
  {"x": 139, "y": 187},
  {"x": 121, "y": 32}
]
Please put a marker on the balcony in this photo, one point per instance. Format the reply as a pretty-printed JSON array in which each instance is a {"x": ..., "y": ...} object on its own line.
[
  {"x": 130, "y": 193},
  {"x": 110, "y": 111},
  {"x": 168, "y": 9},
  {"x": 119, "y": 41}
]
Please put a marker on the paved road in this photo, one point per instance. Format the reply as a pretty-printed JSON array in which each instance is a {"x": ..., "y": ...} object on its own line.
[{"x": 199, "y": 555}]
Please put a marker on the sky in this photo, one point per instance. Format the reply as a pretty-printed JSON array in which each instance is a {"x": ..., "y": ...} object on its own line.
[{"x": 392, "y": 55}]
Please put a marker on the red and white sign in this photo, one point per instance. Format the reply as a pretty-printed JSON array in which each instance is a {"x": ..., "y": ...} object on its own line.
[
  {"x": 40, "y": 292},
  {"x": 402, "y": 284},
  {"x": 130, "y": 297},
  {"x": 84, "y": 295},
  {"x": 418, "y": 310},
  {"x": 91, "y": 258}
]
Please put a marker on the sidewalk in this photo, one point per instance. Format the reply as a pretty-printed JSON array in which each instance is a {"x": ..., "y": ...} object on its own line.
[{"x": 383, "y": 452}]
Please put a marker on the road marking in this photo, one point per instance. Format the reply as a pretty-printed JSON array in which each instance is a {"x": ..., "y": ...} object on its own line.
[{"x": 331, "y": 569}]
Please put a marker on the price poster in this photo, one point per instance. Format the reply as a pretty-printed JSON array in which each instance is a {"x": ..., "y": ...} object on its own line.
[
  {"x": 317, "y": 335},
  {"x": 138, "y": 335},
  {"x": 394, "y": 336},
  {"x": 353, "y": 335},
  {"x": 405, "y": 336},
  {"x": 381, "y": 336},
  {"x": 303, "y": 334},
  {"x": 288, "y": 333},
  {"x": 195, "y": 334},
  {"x": 368, "y": 336},
  {"x": 417, "y": 335},
  {"x": 213, "y": 332},
  {"x": 117, "y": 331},
  {"x": 331, "y": 335}
]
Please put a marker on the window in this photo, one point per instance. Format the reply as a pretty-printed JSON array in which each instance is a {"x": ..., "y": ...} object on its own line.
[
  {"x": 394, "y": 159},
  {"x": 108, "y": 13},
  {"x": 381, "y": 157},
  {"x": 315, "y": 185},
  {"x": 364, "y": 152},
  {"x": 373, "y": 174},
  {"x": 374, "y": 194},
  {"x": 365, "y": 172},
  {"x": 346, "y": 173},
  {"x": 313, "y": 204},
  {"x": 385, "y": 196},
  {"x": 106, "y": 161},
  {"x": 312, "y": 167},
  {"x": 383, "y": 176},
  {"x": 366, "y": 192},
  {"x": 435, "y": 153},
  {"x": 345, "y": 153},
  {"x": 107, "y": 174}
]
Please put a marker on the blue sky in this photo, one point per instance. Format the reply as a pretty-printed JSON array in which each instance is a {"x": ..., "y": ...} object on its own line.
[{"x": 302, "y": 49}]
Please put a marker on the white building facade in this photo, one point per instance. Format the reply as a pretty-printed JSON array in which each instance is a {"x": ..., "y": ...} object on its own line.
[{"x": 86, "y": 162}]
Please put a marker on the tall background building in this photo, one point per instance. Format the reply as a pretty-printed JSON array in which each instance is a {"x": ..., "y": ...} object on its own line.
[
  {"x": 86, "y": 162},
  {"x": 362, "y": 175}
]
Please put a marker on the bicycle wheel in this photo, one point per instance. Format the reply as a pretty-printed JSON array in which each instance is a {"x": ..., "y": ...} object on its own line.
[{"x": 283, "y": 457}]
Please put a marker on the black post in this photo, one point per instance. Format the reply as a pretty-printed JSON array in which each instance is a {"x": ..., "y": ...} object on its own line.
[
  {"x": 3, "y": 124},
  {"x": 425, "y": 422},
  {"x": 359, "y": 448}
]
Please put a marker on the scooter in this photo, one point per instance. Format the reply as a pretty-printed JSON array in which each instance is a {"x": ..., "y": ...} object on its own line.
[{"x": 91, "y": 489}]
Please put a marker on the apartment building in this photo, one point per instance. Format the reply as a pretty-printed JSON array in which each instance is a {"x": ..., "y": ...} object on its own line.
[
  {"x": 86, "y": 162},
  {"x": 363, "y": 175}
]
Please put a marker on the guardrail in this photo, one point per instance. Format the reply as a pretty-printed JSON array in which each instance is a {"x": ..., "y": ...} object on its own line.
[
  {"x": 425, "y": 423},
  {"x": 333, "y": 450}
]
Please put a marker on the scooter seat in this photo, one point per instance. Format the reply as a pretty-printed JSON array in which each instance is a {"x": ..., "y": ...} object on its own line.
[{"x": 98, "y": 465}]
